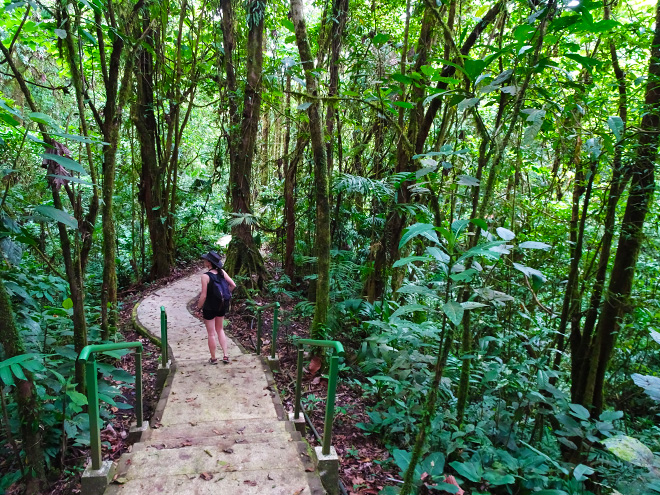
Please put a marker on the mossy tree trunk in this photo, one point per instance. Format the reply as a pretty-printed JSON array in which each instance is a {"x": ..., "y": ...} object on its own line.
[
  {"x": 26, "y": 398},
  {"x": 243, "y": 256},
  {"x": 589, "y": 391},
  {"x": 322, "y": 239}
]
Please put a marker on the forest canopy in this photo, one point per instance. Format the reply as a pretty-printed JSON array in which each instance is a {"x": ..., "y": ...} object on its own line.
[{"x": 462, "y": 193}]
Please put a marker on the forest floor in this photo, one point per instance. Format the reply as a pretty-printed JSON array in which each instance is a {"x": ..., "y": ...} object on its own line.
[{"x": 365, "y": 464}]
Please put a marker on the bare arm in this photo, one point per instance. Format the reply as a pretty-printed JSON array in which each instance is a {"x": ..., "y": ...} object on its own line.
[
  {"x": 231, "y": 283},
  {"x": 202, "y": 296}
]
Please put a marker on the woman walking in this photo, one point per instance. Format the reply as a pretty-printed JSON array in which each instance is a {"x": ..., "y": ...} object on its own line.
[{"x": 213, "y": 311}]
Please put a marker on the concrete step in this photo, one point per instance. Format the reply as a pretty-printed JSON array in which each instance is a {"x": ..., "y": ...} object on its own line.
[
  {"x": 272, "y": 482},
  {"x": 223, "y": 442},
  {"x": 225, "y": 428},
  {"x": 194, "y": 460}
]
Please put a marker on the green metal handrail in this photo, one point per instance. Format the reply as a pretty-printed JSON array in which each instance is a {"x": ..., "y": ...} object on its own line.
[
  {"x": 332, "y": 385},
  {"x": 163, "y": 336},
  {"x": 276, "y": 313},
  {"x": 87, "y": 355}
]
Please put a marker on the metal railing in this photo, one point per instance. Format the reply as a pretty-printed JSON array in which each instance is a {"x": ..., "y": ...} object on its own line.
[
  {"x": 163, "y": 336},
  {"x": 332, "y": 385},
  {"x": 87, "y": 355},
  {"x": 276, "y": 312}
]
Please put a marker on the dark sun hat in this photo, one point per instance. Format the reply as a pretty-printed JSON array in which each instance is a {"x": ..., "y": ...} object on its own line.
[{"x": 213, "y": 258}]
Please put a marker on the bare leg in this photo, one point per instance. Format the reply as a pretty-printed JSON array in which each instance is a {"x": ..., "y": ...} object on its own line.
[
  {"x": 219, "y": 322},
  {"x": 211, "y": 333}
]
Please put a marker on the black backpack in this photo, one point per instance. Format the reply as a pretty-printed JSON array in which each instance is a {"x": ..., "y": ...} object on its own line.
[{"x": 220, "y": 289}]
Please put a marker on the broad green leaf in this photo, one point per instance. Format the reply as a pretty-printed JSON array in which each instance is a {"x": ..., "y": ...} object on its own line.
[
  {"x": 410, "y": 259},
  {"x": 77, "y": 398},
  {"x": 467, "y": 305},
  {"x": 534, "y": 245},
  {"x": 496, "y": 478},
  {"x": 402, "y": 459},
  {"x": 655, "y": 336},
  {"x": 122, "y": 375},
  {"x": 403, "y": 104},
  {"x": 289, "y": 25},
  {"x": 465, "y": 276},
  {"x": 6, "y": 375},
  {"x": 67, "y": 163},
  {"x": 304, "y": 106},
  {"x": 581, "y": 472},
  {"x": 479, "y": 222},
  {"x": 579, "y": 411},
  {"x": 71, "y": 179},
  {"x": 401, "y": 78},
  {"x": 410, "y": 308},
  {"x": 593, "y": 148},
  {"x": 18, "y": 371},
  {"x": 505, "y": 234},
  {"x": 77, "y": 138},
  {"x": 467, "y": 103},
  {"x": 454, "y": 312},
  {"x": 529, "y": 272},
  {"x": 41, "y": 118},
  {"x": 466, "y": 180},
  {"x": 67, "y": 303},
  {"x": 381, "y": 38},
  {"x": 9, "y": 120},
  {"x": 468, "y": 470},
  {"x": 7, "y": 108},
  {"x": 616, "y": 126},
  {"x": 586, "y": 62},
  {"x": 424, "y": 229},
  {"x": 57, "y": 215},
  {"x": 650, "y": 384},
  {"x": 417, "y": 289},
  {"x": 474, "y": 68},
  {"x": 438, "y": 254},
  {"x": 610, "y": 415}
]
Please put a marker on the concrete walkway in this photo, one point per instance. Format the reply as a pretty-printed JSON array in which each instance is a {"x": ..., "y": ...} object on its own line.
[{"x": 218, "y": 429}]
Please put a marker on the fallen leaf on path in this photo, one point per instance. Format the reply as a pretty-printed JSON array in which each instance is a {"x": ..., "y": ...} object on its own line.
[
  {"x": 250, "y": 482},
  {"x": 208, "y": 453},
  {"x": 206, "y": 476},
  {"x": 217, "y": 432},
  {"x": 228, "y": 451},
  {"x": 299, "y": 491}
]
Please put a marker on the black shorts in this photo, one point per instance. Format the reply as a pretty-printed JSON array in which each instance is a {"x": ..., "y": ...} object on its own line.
[{"x": 209, "y": 314}]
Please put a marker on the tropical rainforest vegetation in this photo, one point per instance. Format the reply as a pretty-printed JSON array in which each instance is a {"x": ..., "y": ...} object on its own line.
[{"x": 460, "y": 192}]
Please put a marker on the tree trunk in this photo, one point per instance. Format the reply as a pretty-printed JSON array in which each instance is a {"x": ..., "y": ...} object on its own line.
[
  {"x": 243, "y": 257},
  {"x": 642, "y": 187},
  {"x": 26, "y": 398},
  {"x": 320, "y": 174}
]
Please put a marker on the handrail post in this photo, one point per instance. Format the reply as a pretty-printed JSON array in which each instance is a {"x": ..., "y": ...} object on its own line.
[
  {"x": 163, "y": 335},
  {"x": 259, "y": 332},
  {"x": 93, "y": 411},
  {"x": 299, "y": 373},
  {"x": 273, "y": 345},
  {"x": 330, "y": 403},
  {"x": 138, "y": 387}
]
